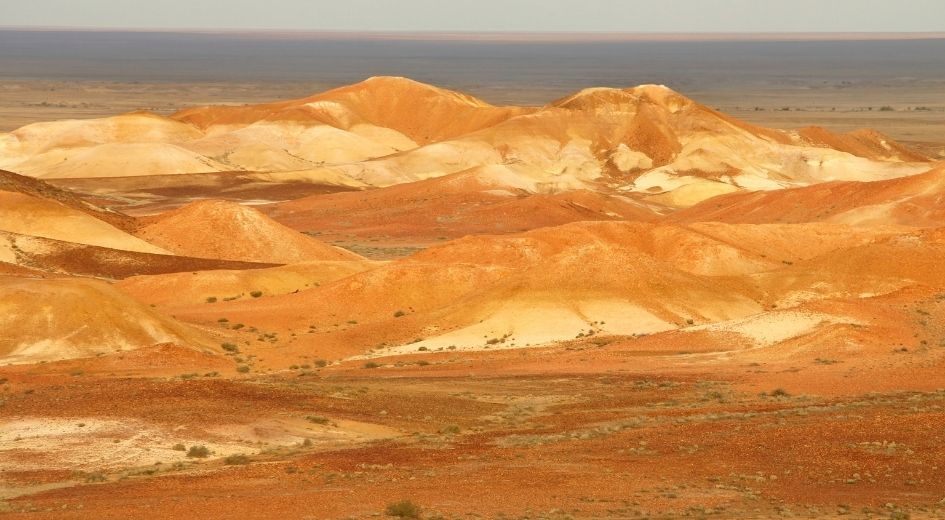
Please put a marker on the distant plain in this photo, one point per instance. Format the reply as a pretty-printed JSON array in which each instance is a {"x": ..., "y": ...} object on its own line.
[{"x": 893, "y": 86}]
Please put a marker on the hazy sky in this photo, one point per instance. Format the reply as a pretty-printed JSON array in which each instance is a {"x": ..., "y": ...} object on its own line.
[{"x": 488, "y": 15}]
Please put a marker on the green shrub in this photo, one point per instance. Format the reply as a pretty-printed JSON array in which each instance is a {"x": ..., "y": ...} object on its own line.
[
  {"x": 403, "y": 509},
  {"x": 198, "y": 452}
]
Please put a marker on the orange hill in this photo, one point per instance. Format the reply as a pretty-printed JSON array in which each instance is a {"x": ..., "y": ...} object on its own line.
[
  {"x": 229, "y": 231},
  {"x": 46, "y": 320},
  {"x": 466, "y": 203},
  {"x": 423, "y": 113},
  {"x": 918, "y": 200},
  {"x": 552, "y": 284}
]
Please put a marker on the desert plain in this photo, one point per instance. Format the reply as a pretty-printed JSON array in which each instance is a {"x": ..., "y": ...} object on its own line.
[{"x": 620, "y": 303}]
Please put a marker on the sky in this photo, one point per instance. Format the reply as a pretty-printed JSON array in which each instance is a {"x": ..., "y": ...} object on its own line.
[{"x": 632, "y": 16}]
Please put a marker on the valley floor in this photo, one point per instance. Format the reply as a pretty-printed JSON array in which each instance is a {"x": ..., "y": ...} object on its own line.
[{"x": 591, "y": 429}]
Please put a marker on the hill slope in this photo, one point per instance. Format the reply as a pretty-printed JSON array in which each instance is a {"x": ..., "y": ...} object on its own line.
[
  {"x": 229, "y": 231},
  {"x": 46, "y": 320}
]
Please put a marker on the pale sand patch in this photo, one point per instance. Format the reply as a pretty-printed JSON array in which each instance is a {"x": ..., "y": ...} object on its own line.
[
  {"x": 89, "y": 443},
  {"x": 524, "y": 324},
  {"x": 691, "y": 194},
  {"x": 33, "y": 443},
  {"x": 774, "y": 327}
]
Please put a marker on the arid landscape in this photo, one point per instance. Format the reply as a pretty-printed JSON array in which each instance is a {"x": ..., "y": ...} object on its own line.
[{"x": 392, "y": 298}]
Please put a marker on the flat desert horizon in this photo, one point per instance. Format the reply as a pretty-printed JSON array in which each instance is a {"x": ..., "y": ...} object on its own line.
[{"x": 452, "y": 275}]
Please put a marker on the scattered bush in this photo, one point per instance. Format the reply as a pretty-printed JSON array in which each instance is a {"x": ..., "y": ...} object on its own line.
[
  {"x": 179, "y": 447},
  {"x": 256, "y": 294},
  {"x": 95, "y": 477},
  {"x": 780, "y": 392},
  {"x": 211, "y": 299},
  {"x": 242, "y": 369},
  {"x": 320, "y": 363},
  {"x": 317, "y": 419},
  {"x": 229, "y": 347},
  {"x": 399, "y": 314},
  {"x": 403, "y": 509},
  {"x": 450, "y": 430},
  {"x": 198, "y": 452},
  {"x": 237, "y": 459}
]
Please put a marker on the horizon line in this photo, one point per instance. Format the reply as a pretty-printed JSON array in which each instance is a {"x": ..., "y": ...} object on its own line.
[{"x": 510, "y": 36}]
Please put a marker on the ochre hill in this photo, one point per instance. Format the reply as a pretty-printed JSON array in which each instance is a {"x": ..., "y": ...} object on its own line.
[
  {"x": 47, "y": 320},
  {"x": 47, "y": 256},
  {"x": 12, "y": 182},
  {"x": 229, "y": 231},
  {"x": 647, "y": 140},
  {"x": 918, "y": 200},
  {"x": 422, "y": 113},
  {"x": 493, "y": 199},
  {"x": 556, "y": 283}
]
